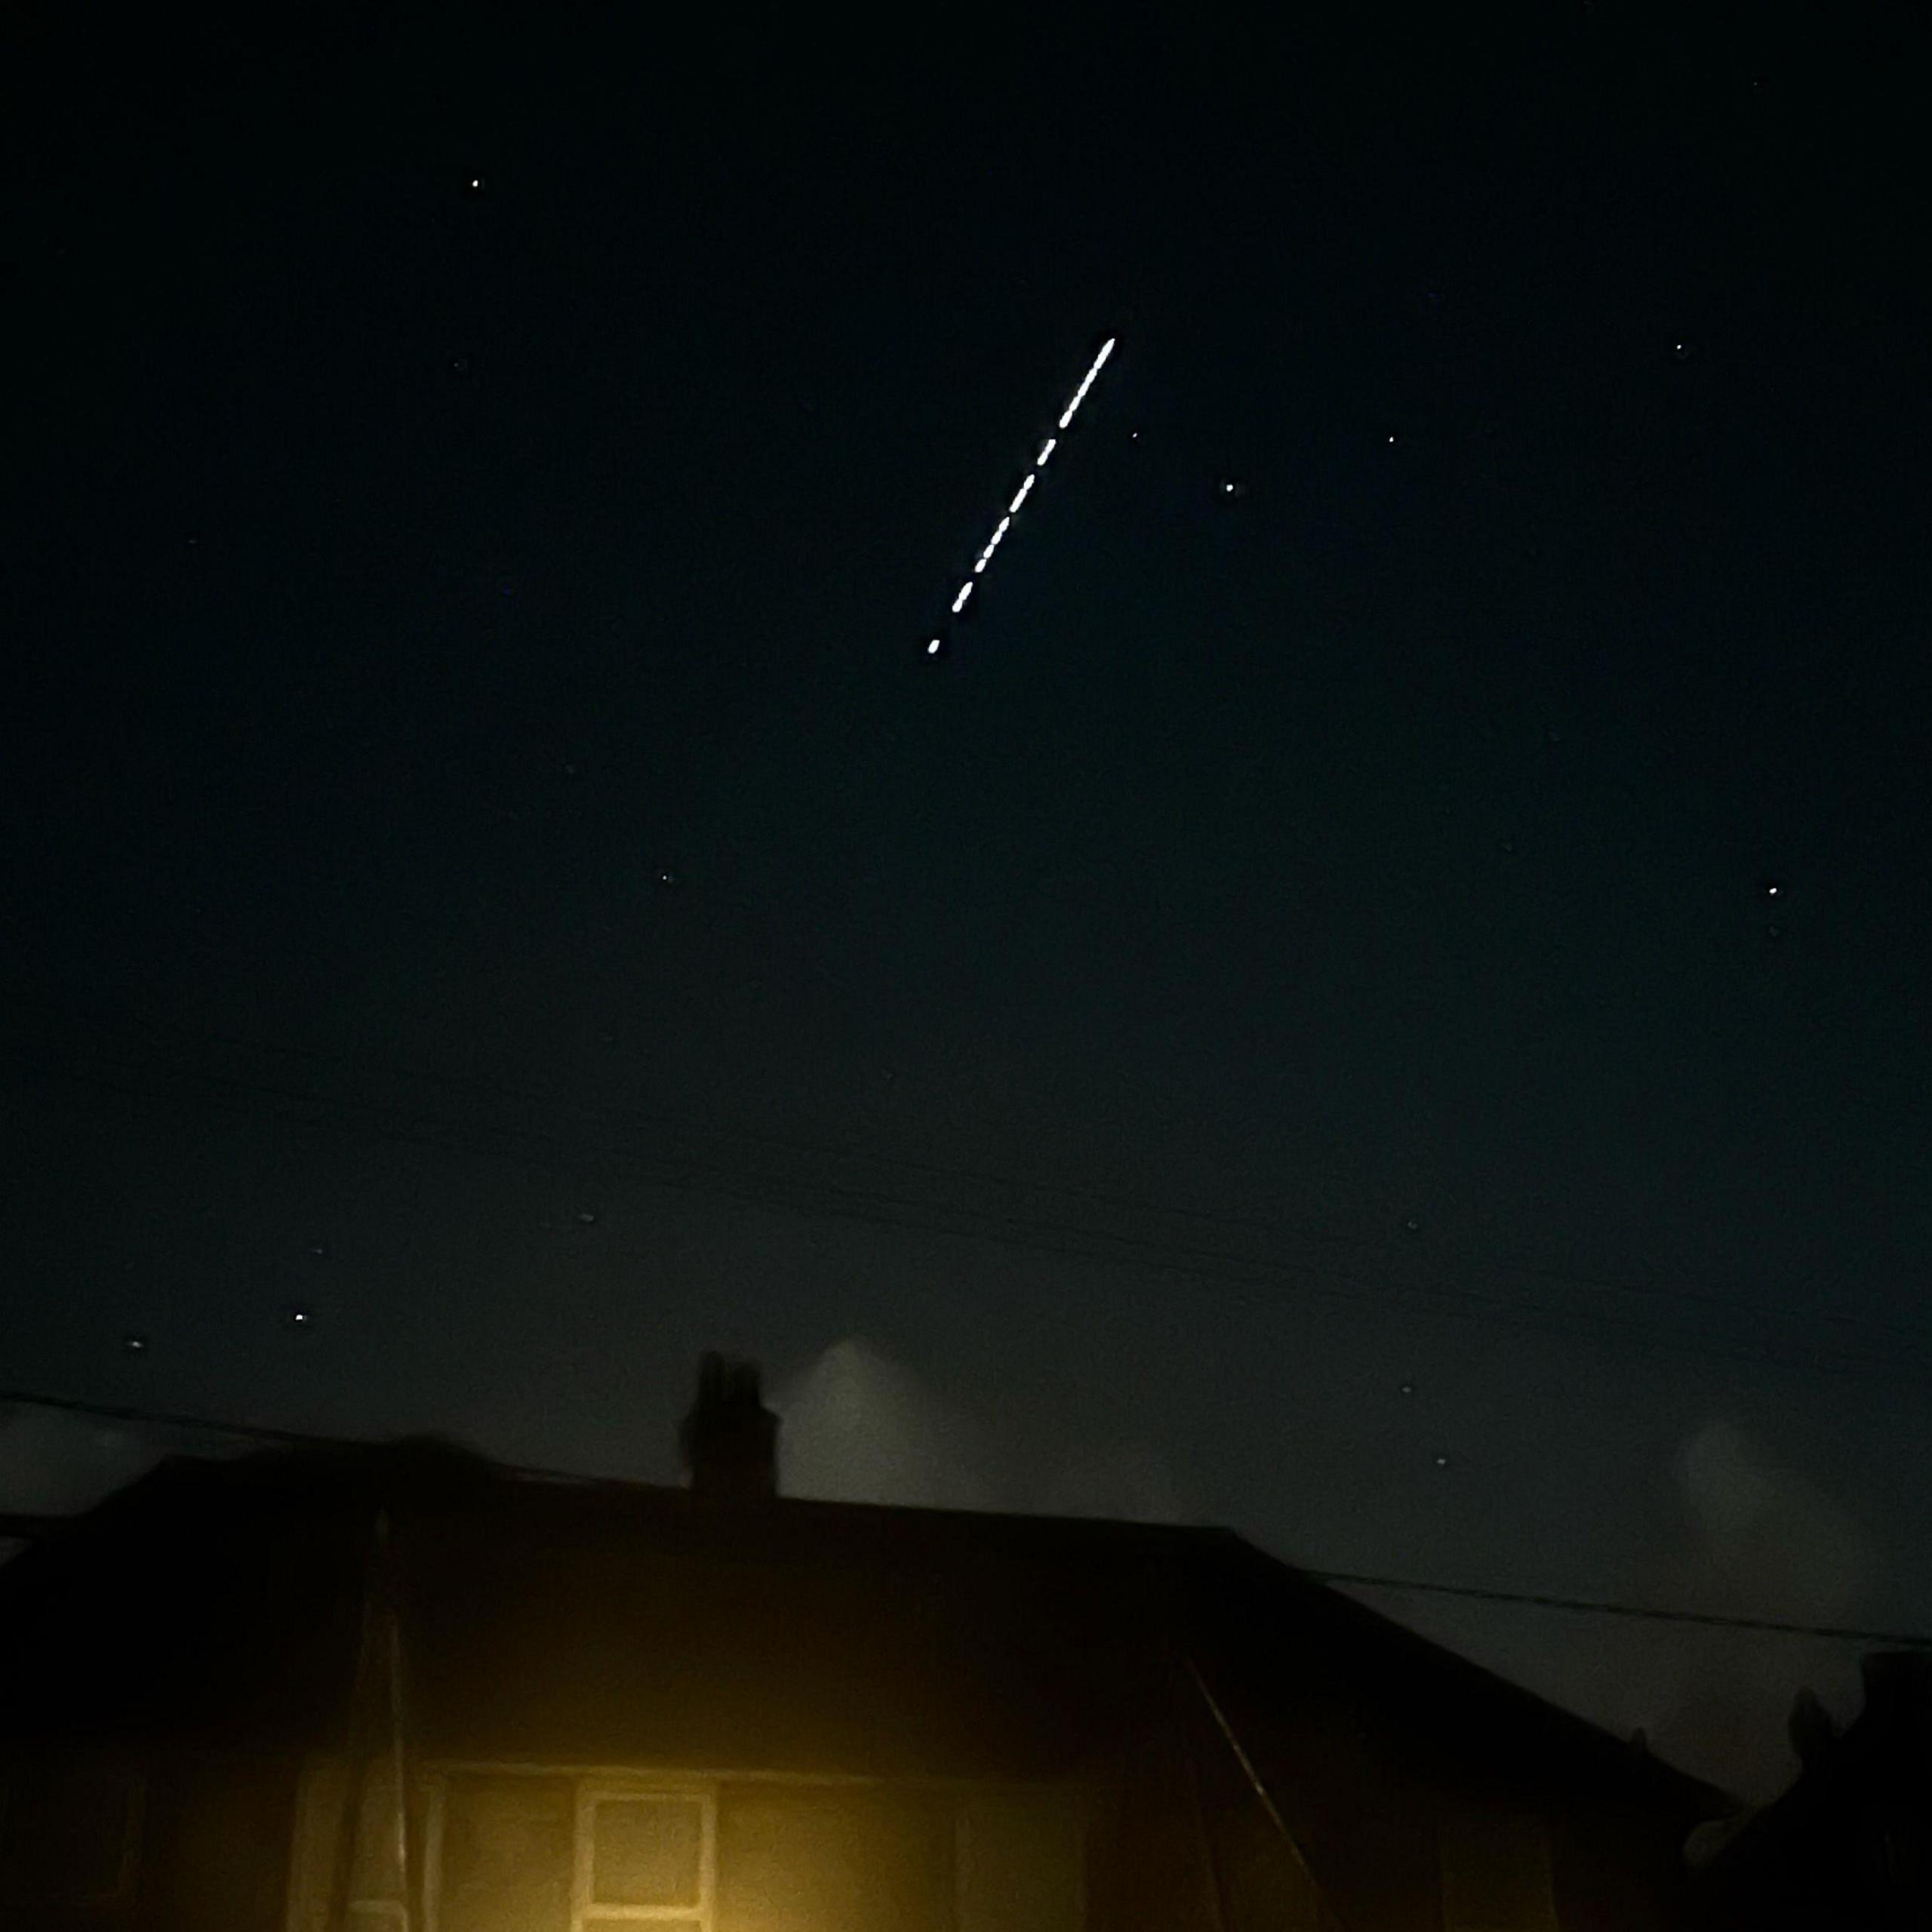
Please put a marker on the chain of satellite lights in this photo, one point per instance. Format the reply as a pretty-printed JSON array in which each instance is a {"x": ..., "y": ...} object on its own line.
[{"x": 935, "y": 645}]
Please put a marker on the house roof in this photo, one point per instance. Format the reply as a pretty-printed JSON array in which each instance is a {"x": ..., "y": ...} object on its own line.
[
  {"x": 1815, "y": 1837},
  {"x": 601, "y": 1622}
]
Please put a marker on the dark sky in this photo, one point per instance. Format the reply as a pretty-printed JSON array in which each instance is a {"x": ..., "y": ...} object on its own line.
[{"x": 1386, "y": 1006}]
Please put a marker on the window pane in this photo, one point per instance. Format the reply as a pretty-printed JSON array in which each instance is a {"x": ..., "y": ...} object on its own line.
[
  {"x": 507, "y": 1854},
  {"x": 792, "y": 1859},
  {"x": 645, "y": 1851}
]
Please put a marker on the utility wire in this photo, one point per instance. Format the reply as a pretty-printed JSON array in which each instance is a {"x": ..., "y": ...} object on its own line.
[
  {"x": 1118, "y": 1203},
  {"x": 639, "y": 1117},
  {"x": 540, "y": 1149},
  {"x": 269, "y": 1436},
  {"x": 1835, "y": 1633}
]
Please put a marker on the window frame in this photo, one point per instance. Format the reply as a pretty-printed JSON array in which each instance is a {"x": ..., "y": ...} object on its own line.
[{"x": 587, "y": 1912}]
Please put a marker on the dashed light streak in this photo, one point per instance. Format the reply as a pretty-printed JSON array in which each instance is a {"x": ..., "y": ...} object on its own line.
[{"x": 1013, "y": 509}]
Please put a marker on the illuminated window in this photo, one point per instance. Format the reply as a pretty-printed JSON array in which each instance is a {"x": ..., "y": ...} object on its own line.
[
  {"x": 503, "y": 1855},
  {"x": 517, "y": 1850},
  {"x": 1495, "y": 1875},
  {"x": 795, "y": 1857},
  {"x": 513, "y": 1852},
  {"x": 644, "y": 1855}
]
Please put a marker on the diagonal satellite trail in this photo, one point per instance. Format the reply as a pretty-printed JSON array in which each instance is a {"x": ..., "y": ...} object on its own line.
[{"x": 1013, "y": 509}]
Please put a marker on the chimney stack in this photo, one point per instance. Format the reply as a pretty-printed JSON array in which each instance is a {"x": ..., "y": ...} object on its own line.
[
  {"x": 730, "y": 1439},
  {"x": 1812, "y": 1729}
]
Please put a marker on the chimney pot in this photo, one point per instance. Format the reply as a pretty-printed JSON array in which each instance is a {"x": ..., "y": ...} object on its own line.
[
  {"x": 729, "y": 1438},
  {"x": 1811, "y": 1728}
]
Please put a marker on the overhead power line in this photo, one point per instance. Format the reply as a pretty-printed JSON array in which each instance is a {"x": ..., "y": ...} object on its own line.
[
  {"x": 1270, "y": 1222},
  {"x": 541, "y": 1149},
  {"x": 270, "y": 1436},
  {"x": 140, "y": 1417},
  {"x": 1641, "y": 1612}
]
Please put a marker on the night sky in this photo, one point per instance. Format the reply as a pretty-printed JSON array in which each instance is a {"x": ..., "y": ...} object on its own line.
[{"x": 1375, "y": 992}]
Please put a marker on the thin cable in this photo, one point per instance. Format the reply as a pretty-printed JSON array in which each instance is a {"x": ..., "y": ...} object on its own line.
[
  {"x": 1835, "y": 1633},
  {"x": 1266, "y": 1222},
  {"x": 881, "y": 1208},
  {"x": 660, "y": 1123},
  {"x": 555, "y": 1155},
  {"x": 1042, "y": 1236},
  {"x": 297, "y": 1439}
]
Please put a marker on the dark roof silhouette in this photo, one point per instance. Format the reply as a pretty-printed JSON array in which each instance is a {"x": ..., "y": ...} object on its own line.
[{"x": 603, "y": 1622}]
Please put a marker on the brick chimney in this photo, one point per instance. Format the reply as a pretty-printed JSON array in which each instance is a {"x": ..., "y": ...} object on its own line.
[{"x": 730, "y": 1439}]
